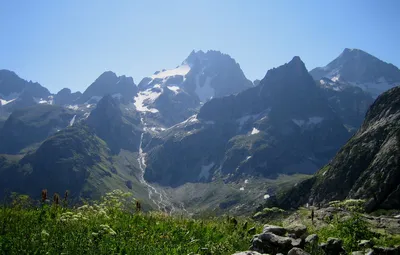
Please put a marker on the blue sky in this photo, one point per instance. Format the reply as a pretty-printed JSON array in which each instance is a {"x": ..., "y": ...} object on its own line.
[{"x": 70, "y": 43}]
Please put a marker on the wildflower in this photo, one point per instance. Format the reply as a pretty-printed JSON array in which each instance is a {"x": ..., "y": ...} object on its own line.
[
  {"x": 107, "y": 229},
  {"x": 65, "y": 201},
  {"x": 44, "y": 195},
  {"x": 83, "y": 207},
  {"x": 44, "y": 233},
  {"x": 138, "y": 206},
  {"x": 56, "y": 199}
]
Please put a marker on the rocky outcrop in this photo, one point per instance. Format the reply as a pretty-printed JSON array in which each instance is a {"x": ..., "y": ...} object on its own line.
[
  {"x": 273, "y": 240},
  {"x": 333, "y": 246}
]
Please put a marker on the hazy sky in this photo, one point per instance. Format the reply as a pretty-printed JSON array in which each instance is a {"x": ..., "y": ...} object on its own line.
[{"x": 70, "y": 43}]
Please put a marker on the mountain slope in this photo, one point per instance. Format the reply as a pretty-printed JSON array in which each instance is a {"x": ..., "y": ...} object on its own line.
[
  {"x": 118, "y": 130},
  {"x": 74, "y": 159},
  {"x": 284, "y": 125},
  {"x": 31, "y": 125},
  {"x": 367, "y": 167},
  {"x": 361, "y": 69}
]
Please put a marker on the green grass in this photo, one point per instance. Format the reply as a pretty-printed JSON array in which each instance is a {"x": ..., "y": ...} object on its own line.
[{"x": 113, "y": 227}]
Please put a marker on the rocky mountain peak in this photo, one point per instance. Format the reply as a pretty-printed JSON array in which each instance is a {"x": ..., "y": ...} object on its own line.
[
  {"x": 294, "y": 67},
  {"x": 108, "y": 82},
  {"x": 193, "y": 57},
  {"x": 106, "y": 76},
  {"x": 361, "y": 69}
]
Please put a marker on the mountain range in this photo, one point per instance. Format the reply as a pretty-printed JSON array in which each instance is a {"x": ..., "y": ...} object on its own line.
[{"x": 205, "y": 122}]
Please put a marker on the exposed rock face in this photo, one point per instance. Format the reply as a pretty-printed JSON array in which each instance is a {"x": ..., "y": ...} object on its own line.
[{"x": 367, "y": 167}]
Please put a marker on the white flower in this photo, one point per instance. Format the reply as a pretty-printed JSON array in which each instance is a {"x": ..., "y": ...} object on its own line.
[{"x": 44, "y": 233}]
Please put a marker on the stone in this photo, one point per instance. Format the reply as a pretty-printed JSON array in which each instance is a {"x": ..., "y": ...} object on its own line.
[
  {"x": 357, "y": 253},
  {"x": 277, "y": 230},
  {"x": 386, "y": 250},
  {"x": 251, "y": 231},
  {"x": 363, "y": 244},
  {"x": 271, "y": 243},
  {"x": 247, "y": 253},
  {"x": 333, "y": 246},
  {"x": 312, "y": 239},
  {"x": 297, "y": 242},
  {"x": 369, "y": 252},
  {"x": 298, "y": 231},
  {"x": 297, "y": 251}
]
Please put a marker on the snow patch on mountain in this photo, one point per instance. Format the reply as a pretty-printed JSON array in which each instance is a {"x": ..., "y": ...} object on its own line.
[
  {"x": 254, "y": 131},
  {"x": 175, "y": 89},
  {"x": 180, "y": 70},
  {"x": 374, "y": 88},
  {"x": 9, "y": 98},
  {"x": 144, "y": 98},
  {"x": 72, "y": 121},
  {"x": 73, "y": 107},
  {"x": 43, "y": 101},
  {"x": 335, "y": 78},
  {"x": 204, "y": 91},
  {"x": 4, "y": 102}
]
